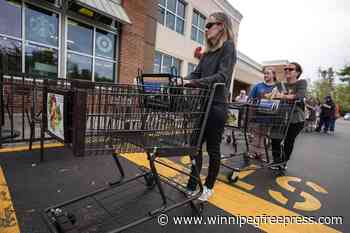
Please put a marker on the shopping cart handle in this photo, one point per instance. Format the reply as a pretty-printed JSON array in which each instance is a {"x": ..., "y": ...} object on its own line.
[{"x": 216, "y": 85}]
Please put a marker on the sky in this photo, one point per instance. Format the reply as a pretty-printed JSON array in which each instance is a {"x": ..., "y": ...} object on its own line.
[{"x": 315, "y": 33}]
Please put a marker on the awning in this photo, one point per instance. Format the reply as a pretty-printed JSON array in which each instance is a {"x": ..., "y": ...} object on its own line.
[{"x": 109, "y": 8}]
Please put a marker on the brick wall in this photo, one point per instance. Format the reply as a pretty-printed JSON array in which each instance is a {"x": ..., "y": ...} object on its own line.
[{"x": 137, "y": 40}]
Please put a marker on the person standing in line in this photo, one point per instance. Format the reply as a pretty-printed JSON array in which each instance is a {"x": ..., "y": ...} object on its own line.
[
  {"x": 215, "y": 66},
  {"x": 242, "y": 97},
  {"x": 327, "y": 114},
  {"x": 310, "y": 114},
  {"x": 334, "y": 118},
  {"x": 293, "y": 90},
  {"x": 262, "y": 90},
  {"x": 318, "y": 112}
]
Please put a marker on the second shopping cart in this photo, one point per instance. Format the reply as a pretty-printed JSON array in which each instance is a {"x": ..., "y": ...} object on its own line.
[{"x": 256, "y": 123}]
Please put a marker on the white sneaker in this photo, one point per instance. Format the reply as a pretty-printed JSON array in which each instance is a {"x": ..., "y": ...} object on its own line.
[
  {"x": 192, "y": 193},
  {"x": 206, "y": 194}
]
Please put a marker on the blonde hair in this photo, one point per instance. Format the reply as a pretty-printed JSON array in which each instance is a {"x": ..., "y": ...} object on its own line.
[{"x": 228, "y": 35}]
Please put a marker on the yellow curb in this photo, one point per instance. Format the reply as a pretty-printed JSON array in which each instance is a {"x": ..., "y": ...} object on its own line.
[
  {"x": 8, "y": 219},
  {"x": 26, "y": 148}
]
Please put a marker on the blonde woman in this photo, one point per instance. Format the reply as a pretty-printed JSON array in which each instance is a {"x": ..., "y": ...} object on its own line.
[
  {"x": 266, "y": 89},
  {"x": 216, "y": 66}
]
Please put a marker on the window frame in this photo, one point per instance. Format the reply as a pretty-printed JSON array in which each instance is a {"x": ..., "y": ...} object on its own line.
[
  {"x": 93, "y": 56},
  {"x": 197, "y": 26},
  {"x": 173, "y": 60},
  {"x": 188, "y": 67},
  {"x": 166, "y": 11},
  {"x": 26, "y": 42}
]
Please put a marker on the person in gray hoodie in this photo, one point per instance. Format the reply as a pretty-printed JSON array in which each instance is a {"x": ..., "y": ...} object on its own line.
[{"x": 215, "y": 66}]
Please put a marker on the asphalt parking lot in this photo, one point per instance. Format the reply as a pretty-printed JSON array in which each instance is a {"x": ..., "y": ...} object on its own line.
[{"x": 313, "y": 186}]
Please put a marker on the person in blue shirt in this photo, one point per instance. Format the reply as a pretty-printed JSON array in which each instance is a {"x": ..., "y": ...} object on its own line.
[{"x": 261, "y": 89}]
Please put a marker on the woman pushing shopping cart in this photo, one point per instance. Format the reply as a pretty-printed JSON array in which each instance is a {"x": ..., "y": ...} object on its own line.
[{"x": 279, "y": 121}]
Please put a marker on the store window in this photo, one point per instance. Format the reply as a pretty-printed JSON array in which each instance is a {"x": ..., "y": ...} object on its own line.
[
  {"x": 91, "y": 53},
  {"x": 105, "y": 44},
  {"x": 80, "y": 37},
  {"x": 163, "y": 63},
  {"x": 172, "y": 14},
  {"x": 41, "y": 60},
  {"x": 41, "y": 33},
  {"x": 190, "y": 68},
  {"x": 11, "y": 36},
  {"x": 10, "y": 54},
  {"x": 104, "y": 71},
  {"x": 11, "y": 18},
  {"x": 79, "y": 67},
  {"x": 40, "y": 42},
  {"x": 41, "y": 26},
  {"x": 197, "y": 29}
]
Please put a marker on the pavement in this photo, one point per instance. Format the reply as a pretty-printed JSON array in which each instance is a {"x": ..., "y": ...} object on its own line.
[{"x": 314, "y": 186}]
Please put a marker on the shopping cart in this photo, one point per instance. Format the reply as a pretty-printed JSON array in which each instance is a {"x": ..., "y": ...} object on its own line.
[
  {"x": 234, "y": 132},
  {"x": 114, "y": 119},
  {"x": 262, "y": 120}
]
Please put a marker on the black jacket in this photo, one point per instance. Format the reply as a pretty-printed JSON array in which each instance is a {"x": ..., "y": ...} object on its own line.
[{"x": 216, "y": 67}]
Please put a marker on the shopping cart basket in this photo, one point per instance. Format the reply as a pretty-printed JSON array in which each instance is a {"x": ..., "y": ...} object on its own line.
[
  {"x": 115, "y": 119},
  {"x": 234, "y": 132},
  {"x": 263, "y": 120}
]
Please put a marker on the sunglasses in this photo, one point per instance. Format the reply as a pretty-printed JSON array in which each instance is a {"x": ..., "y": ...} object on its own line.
[
  {"x": 211, "y": 24},
  {"x": 289, "y": 69}
]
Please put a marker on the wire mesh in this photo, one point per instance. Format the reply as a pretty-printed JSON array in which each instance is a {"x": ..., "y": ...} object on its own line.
[{"x": 136, "y": 118}]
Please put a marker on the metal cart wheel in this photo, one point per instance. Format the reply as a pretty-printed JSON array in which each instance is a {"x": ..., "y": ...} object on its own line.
[
  {"x": 233, "y": 177},
  {"x": 62, "y": 220}
]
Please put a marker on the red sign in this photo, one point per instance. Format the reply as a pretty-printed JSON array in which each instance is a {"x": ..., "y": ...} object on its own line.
[{"x": 198, "y": 52}]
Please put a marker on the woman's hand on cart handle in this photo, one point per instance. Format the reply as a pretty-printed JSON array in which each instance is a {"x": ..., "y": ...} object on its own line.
[
  {"x": 177, "y": 80},
  {"x": 285, "y": 96},
  {"x": 190, "y": 83}
]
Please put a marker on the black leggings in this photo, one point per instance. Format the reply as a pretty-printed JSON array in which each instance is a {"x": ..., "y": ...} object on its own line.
[
  {"x": 212, "y": 136},
  {"x": 293, "y": 131}
]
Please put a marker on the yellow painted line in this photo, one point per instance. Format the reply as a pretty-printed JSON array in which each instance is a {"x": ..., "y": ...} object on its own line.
[
  {"x": 26, "y": 148},
  {"x": 278, "y": 196},
  {"x": 8, "y": 219},
  {"x": 238, "y": 183},
  {"x": 240, "y": 203},
  {"x": 310, "y": 204},
  {"x": 243, "y": 175},
  {"x": 244, "y": 185},
  {"x": 284, "y": 180},
  {"x": 316, "y": 187}
]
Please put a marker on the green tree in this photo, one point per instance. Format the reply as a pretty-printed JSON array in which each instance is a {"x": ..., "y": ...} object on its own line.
[
  {"x": 342, "y": 97},
  {"x": 325, "y": 86},
  {"x": 345, "y": 73},
  {"x": 321, "y": 88}
]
